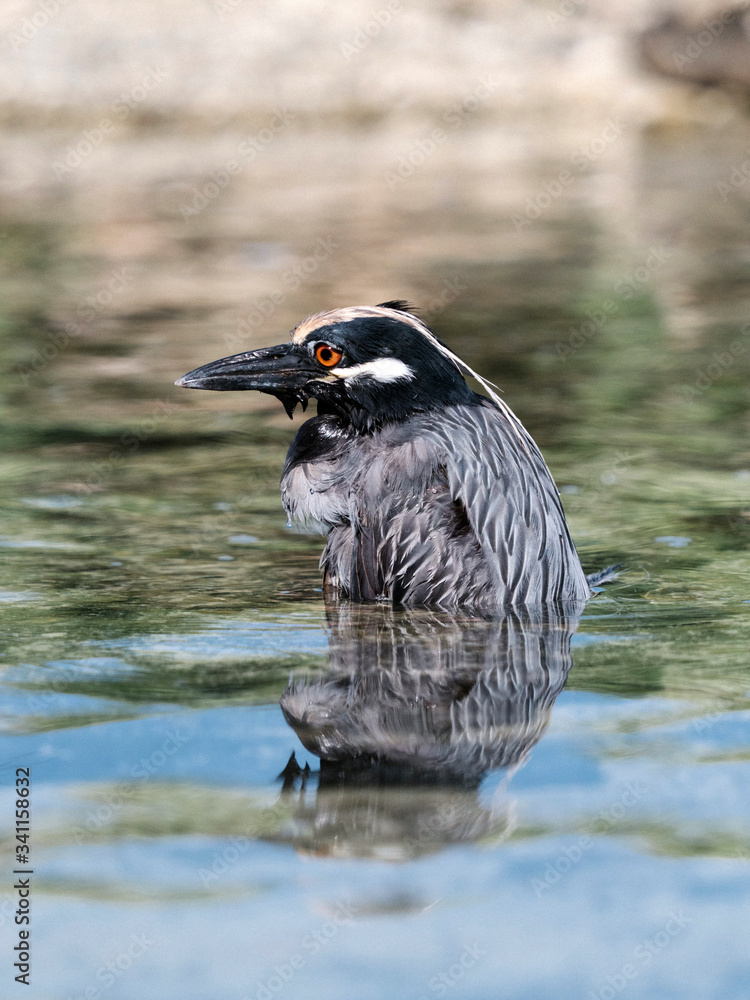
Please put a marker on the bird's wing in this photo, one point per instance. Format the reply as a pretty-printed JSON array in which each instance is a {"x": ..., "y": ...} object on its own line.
[
  {"x": 497, "y": 473},
  {"x": 403, "y": 540}
]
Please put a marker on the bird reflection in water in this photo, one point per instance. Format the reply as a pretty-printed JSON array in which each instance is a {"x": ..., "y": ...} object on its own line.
[{"x": 416, "y": 708}]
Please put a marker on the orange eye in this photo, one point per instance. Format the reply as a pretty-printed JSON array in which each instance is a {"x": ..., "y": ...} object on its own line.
[{"x": 327, "y": 355}]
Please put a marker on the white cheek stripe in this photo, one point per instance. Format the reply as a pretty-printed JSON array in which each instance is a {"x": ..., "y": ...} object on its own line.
[{"x": 381, "y": 370}]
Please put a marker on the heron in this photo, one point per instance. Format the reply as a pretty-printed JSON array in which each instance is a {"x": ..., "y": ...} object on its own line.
[{"x": 429, "y": 493}]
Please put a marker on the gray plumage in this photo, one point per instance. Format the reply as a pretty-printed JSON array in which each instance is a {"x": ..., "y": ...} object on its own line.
[{"x": 448, "y": 508}]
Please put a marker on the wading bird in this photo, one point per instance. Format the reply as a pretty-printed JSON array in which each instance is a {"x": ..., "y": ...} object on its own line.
[{"x": 429, "y": 493}]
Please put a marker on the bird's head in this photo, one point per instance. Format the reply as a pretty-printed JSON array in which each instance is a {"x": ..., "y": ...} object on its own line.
[{"x": 368, "y": 364}]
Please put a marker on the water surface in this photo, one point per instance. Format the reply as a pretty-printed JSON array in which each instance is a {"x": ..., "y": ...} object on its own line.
[{"x": 550, "y": 807}]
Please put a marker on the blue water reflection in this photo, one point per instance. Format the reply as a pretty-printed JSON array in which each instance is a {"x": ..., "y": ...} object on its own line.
[{"x": 449, "y": 823}]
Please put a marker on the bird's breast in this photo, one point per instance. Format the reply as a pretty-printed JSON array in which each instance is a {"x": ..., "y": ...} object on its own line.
[
  {"x": 314, "y": 481},
  {"x": 334, "y": 476}
]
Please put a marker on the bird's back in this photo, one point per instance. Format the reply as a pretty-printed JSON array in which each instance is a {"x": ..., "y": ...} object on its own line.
[{"x": 450, "y": 507}]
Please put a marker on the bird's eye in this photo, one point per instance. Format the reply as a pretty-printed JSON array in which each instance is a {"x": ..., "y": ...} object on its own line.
[{"x": 328, "y": 356}]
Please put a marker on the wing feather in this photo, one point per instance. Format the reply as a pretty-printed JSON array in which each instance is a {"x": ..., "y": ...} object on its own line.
[
  {"x": 497, "y": 472},
  {"x": 453, "y": 506}
]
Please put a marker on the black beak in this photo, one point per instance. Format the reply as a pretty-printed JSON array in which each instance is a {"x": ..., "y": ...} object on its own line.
[{"x": 281, "y": 371}]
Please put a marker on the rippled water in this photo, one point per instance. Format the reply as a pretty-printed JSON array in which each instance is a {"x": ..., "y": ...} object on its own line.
[{"x": 539, "y": 807}]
